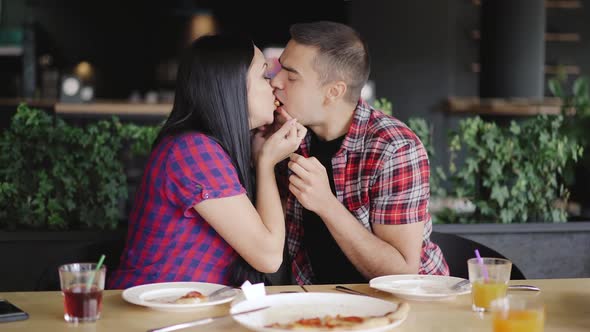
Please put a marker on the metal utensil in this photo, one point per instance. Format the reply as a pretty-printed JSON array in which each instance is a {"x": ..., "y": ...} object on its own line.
[
  {"x": 219, "y": 292},
  {"x": 464, "y": 283},
  {"x": 349, "y": 291},
  {"x": 460, "y": 284},
  {"x": 202, "y": 321},
  {"x": 524, "y": 287}
]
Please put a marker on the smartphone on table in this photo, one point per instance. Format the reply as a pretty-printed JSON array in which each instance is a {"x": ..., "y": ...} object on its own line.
[{"x": 9, "y": 312}]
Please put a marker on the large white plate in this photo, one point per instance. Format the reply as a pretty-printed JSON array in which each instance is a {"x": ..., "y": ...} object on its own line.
[
  {"x": 155, "y": 295},
  {"x": 286, "y": 308},
  {"x": 419, "y": 287}
]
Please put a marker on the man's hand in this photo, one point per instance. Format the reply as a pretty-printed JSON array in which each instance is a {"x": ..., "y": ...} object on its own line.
[{"x": 310, "y": 183}]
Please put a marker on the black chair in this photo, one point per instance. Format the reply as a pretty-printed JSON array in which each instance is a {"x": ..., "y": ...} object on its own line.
[{"x": 457, "y": 250}]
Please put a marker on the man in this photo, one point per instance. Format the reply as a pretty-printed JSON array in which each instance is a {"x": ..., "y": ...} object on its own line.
[{"x": 357, "y": 200}]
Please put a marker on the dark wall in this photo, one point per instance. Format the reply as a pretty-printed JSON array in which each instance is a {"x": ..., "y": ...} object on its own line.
[
  {"x": 417, "y": 59},
  {"x": 126, "y": 40},
  {"x": 422, "y": 53}
]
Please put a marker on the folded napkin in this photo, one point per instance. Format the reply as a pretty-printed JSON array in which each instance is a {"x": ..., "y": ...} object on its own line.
[{"x": 252, "y": 292}]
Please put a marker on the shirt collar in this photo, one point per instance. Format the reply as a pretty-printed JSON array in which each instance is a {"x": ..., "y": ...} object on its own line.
[{"x": 354, "y": 140}]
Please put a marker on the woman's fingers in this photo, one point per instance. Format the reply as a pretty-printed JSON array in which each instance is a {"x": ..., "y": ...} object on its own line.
[
  {"x": 301, "y": 131},
  {"x": 285, "y": 128}
]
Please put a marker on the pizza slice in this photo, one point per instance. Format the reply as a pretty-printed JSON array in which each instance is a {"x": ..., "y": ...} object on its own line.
[
  {"x": 340, "y": 322},
  {"x": 190, "y": 298}
]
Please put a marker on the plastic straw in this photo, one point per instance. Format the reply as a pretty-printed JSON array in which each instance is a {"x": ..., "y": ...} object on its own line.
[
  {"x": 484, "y": 270},
  {"x": 93, "y": 275}
]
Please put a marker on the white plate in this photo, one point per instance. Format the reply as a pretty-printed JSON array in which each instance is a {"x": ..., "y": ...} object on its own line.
[
  {"x": 419, "y": 287},
  {"x": 285, "y": 308},
  {"x": 156, "y": 295}
]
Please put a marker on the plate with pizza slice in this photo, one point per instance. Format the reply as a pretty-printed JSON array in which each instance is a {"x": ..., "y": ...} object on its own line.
[
  {"x": 419, "y": 287},
  {"x": 320, "y": 312},
  {"x": 177, "y": 296}
]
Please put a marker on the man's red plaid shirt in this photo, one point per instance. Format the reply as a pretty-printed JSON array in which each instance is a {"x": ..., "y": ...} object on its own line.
[{"x": 381, "y": 175}]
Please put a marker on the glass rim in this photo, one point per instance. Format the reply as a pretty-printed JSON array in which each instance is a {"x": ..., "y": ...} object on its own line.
[
  {"x": 517, "y": 302},
  {"x": 489, "y": 260},
  {"x": 88, "y": 267}
]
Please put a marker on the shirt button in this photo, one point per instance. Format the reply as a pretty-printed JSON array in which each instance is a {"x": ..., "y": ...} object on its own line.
[{"x": 205, "y": 195}]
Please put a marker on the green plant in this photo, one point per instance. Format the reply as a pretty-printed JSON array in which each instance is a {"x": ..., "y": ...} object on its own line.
[
  {"x": 437, "y": 174},
  {"x": 578, "y": 99},
  {"x": 384, "y": 105},
  {"x": 513, "y": 174},
  {"x": 576, "y": 109},
  {"x": 57, "y": 176}
]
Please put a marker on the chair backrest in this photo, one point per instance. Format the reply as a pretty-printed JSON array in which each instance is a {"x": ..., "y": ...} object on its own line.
[{"x": 457, "y": 250}]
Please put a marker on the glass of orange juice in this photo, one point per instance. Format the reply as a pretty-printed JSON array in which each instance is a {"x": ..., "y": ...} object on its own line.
[
  {"x": 518, "y": 314},
  {"x": 489, "y": 280}
]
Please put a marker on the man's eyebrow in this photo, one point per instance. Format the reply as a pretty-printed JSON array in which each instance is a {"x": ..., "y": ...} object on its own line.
[{"x": 289, "y": 69}]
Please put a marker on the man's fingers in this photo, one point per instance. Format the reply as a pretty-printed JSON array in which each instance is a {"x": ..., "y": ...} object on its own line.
[
  {"x": 317, "y": 163},
  {"x": 297, "y": 169},
  {"x": 294, "y": 191},
  {"x": 303, "y": 162},
  {"x": 297, "y": 182}
]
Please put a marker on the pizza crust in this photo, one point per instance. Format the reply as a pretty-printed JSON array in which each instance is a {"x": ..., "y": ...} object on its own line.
[
  {"x": 191, "y": 298},
  {"x": 351, "y": 323}
]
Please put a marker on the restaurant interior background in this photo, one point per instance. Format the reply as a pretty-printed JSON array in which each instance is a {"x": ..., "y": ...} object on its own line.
[{"x": 428, "y": 61}]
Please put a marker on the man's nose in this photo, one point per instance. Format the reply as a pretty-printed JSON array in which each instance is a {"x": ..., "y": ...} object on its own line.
[{"x": 277, "y": 82}]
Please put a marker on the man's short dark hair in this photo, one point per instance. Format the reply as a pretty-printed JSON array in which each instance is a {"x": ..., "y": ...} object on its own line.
[{"x": 342, "y": 54}]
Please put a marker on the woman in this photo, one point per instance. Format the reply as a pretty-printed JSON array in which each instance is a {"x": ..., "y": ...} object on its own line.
[{"x": 193, "y": 219}]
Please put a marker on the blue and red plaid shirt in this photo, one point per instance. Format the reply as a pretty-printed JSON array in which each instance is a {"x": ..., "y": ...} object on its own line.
[
  {"x": 167, "y": 239},
  {"x": 381, "y": 174}
]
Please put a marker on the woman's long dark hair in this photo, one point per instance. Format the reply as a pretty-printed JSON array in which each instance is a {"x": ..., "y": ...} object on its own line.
[{"x": 211, "y": 97}]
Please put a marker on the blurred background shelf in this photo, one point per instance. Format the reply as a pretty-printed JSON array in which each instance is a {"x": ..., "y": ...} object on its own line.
[
  {"x": 549, "y": 69},
  {"x": 504, "y": 107},
  {"x": 114, "y": 108},
  {"x": 11, "y": 50},
  {"x": 549, "y": 36},
  {"x": 561, "y": 4}
]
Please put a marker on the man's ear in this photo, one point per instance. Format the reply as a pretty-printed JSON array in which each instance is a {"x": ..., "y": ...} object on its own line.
[{"x": 336, "y": 91}]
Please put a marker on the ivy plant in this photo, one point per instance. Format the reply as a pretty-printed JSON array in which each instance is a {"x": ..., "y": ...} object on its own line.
[
  {"x": 57, "y": 176},
  {"x": 513, "y": 173}
]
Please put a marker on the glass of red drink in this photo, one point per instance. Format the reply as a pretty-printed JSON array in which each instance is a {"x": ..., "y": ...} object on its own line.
[{"x": 82, "y": 285}]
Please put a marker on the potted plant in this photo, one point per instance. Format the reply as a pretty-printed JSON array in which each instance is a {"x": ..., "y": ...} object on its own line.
[
  {"x": 576, "y": 109},
  {"x": 62, "y": 193},
  {"x": 505, "y": 187}
]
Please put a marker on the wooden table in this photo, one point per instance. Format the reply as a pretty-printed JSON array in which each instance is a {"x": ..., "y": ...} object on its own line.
[{"x": 567, "y": 306}]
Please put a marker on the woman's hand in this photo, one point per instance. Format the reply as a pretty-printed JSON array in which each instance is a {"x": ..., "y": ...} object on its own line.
[
  {"x": 279, "y": 145},
  {"x": 261, "y": 134}
]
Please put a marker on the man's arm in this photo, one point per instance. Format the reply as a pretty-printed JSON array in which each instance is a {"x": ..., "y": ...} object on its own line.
[
  {"x": 393, "y": 249},
  {"x": 397, "y": 212}
]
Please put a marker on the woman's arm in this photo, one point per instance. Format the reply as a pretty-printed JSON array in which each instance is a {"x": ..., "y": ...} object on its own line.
[{"x": 257, "y": 234}]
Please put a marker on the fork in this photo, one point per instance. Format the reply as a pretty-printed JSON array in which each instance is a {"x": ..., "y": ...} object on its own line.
[
  {"x": 220, "y": 291},
  {"x": 465, "y": 282},
  {"x": 350, "y": 291}
]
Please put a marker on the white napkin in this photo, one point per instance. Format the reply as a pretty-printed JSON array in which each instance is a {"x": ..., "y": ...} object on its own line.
[{"x": 252, "y": 292}]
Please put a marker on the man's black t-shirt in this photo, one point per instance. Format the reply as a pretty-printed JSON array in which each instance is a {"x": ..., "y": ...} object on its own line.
[{"x": 329, "y": 264}]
